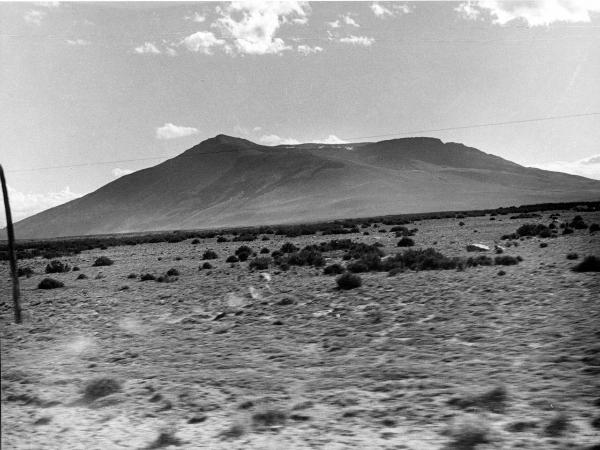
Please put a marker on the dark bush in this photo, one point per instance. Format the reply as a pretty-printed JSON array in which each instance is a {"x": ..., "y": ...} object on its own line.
[
  {"x": 308, "y": 256},
  {"x": 166, "y": 279},
  {"x": 195, "y": 241},
  {"x": 57, "y": 266},
  {"x": 506, "y": 260},
  {"x": 333, "y": 269},
  {"x": 222, "y": 239},
  {"x": 243, "y": 252},
  {"x": 567, "y": 230},
  {"x": 481, "y": 260},
  {"x": 419, "y": 259},
  {"x": 132, "y": 275},
  {"x": 288, "y": 247},
  {"x": 50, "y": 283},
  {"x": 348, "y": 281},
  {"x": 172, "y": 272},
  {"x": 233, "y": 259},
  {"x": 572, "y": 256},
  {"x": 406, "y": 242},
  {"x": 543, "y": 244},
  {"x": 589, "y": 264},
  {"x": 400, "y": 231},
  {"x": 81, "y": 276},
  {"x": 24, "y": 272},
  {"x": 357, "y": 267},
  {"x": 264, "y": 251},
  {"x": 594, "y": 227},
  {"x": 461, "y": 224},
  {"x": 100, "y": 387},
  {"x": 206, "y": 265},
  {"x": 578, "y": 223},
  {"x": 209, "y": 254},
  {"x": 533, "y": 229},
  {"x": 147, "y": 277},
  {"x": 75, "y": 269},
  {"x": 103, "y": 261},
  {"x": 260, "y": 263}
]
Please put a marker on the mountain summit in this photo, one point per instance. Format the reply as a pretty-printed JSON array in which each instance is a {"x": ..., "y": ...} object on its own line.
[{"x": 228, "y": 181}]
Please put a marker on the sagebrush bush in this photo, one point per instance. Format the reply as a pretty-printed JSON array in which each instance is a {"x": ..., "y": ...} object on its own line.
[
  {"x": 57, "y": 266},
  {"x": 481, "y": 260},
  {"x": 132, "y": 275},
  {"x": 232, "y": 259},
  {"x": 195, "y": 241},
  {"x": 288, "y": 247},
  {"x": 594, "y": 227},
  {"x": 348, "y": 281},
  {"x": 172, "y": 272},
  {"x": 260, "y": 263},
  {"x": 533, "y": 229},
  {"x": 81, "y": 276},
  {"x": 506, "y": 260},
  {"x": 206, "y": 266},
  {"x": 589, "y": 264},
  {"x": 308, "y": 256},
  {"x": 50, "y": 283},
  {"x": 222, "y": 239},
  {"x": 419, "y": 259},
  {"x": 357, "y": 267},
  {"x": 24, "y": 272},
  {"x": 333, "y": 269},
  {"x": 406, "y": 242},
  {"x": 264, "y": 251},
  {"x": 578, "y": 223},
  {"x": 572, "y": 256},
  {"x": 210, "y": 254},
  {"x": 568, "y": 230},
  {"x": 243, "y": 252},
  {"x": 103, "y": 261},
  {"x": 147, "y": 277},
  {"x": 100, "y": 387}
]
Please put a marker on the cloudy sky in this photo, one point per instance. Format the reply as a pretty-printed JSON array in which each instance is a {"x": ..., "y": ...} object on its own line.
[{"x": 87, "y": 83}]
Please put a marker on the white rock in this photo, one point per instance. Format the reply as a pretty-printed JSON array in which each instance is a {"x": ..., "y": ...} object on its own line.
[{"x": 477, "y": 248}]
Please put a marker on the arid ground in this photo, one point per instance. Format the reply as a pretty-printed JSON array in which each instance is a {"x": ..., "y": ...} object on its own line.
[{"x": 224, "y": 358}]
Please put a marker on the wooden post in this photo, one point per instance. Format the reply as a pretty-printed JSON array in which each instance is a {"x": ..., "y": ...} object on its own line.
[{"x": 11, "y": 250}]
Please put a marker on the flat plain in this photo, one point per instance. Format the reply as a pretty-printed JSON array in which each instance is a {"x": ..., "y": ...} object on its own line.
[{"x": 229, "y": 357}]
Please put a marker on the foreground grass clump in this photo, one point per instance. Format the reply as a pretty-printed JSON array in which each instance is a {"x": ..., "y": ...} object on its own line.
[
  {"x": 103, "y": 261},
  {"x": 348, "y": 281},
  {"x": 100, "y": 387},
  {"x": 589, "y": 264},
  {"x": 57, "y": 266},
  {"x": 50, "y": 283}
]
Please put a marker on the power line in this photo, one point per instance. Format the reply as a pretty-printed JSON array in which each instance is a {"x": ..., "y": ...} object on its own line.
[{"x": 399, "y": 133}]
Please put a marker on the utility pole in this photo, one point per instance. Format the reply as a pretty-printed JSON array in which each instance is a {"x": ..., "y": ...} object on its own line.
[{"x": 11, "y": 250}]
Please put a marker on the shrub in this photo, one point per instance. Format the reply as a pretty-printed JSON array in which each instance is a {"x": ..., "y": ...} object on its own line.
[
  {"x": 209, "y": 254},
  {"x": 147, "y": 277},
  {"x": 589, "y": 264},
  {"x": 481, "y": 260},
  {"x": 81, "y": 276},
  {"x": 166, "y": 279},
  {"x": 461, "y": 224},
  {"x": 348, "y": 281},
  {"x": 222, "y": 239},
  {"x": 206, "y": 266},
  {"x": 103, "y": 261},
  {"x": 50, "y": 283},
  {"x": 57, "y": 266},
  {"x": 567, "y": 230},
  {"x": 533, "y": 229},
  {"x": 75, "y": 269},
  {"x": 264, "y": 251},
  {"x": 578, "y": 223},
  {"x": 24, "y": 272},
  {"x": 172, "y": 272},
  {"x": 233, "y": 259},
  {"x": 543, "y": 244},
  {"x": 428, "y": 259},
  {"x": 406, "y": 242},
  {"x": 288, "y": 247},
  {"x": 260, "y": 263},
  {"x": 195, "y": 241},
  {"x": 594, "y": 227},
  {"x": 572, "y": 256},
  {"x": 100, "y": 387},
  {"x": 557, "y": 426},
  {"x": 243, "y": 252},
  {"x": 400, "y": 231},
  {"x": 269, "y": 418},
  {"x": 506, "y": 260},
  {"x": 132, "y": 275},
  {"x": 333, "y": 269},
  {"x": 357, "y": 267},
  {"x": 308, "y": 256},
  {"x": 245, "y": 238}
]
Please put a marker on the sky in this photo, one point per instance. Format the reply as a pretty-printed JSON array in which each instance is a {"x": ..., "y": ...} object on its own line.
[{"x": 110, "y": 88}]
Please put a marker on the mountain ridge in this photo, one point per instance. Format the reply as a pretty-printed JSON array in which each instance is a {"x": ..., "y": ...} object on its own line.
[{"x": 229, "y": 181}]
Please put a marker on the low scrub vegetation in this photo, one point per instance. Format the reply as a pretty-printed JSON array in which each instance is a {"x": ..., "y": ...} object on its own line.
[
  {"x": 103, "y": 261},
  {"x": 589, "y": 264},
  {"x": 260, "y": 263},
  {"x": 348, "y": 281},
  {"x": 57, "y": 266},
  {"x": 24, "y": 272},
  {"x": 210, "y": 254},
  {"x": 50, "y": 283}
]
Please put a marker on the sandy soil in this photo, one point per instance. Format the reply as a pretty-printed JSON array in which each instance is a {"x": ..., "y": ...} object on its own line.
[{"x": 294, "y": 363}]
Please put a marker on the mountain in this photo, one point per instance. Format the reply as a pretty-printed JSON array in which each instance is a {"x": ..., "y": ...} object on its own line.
[{"x": 227, "y": 181}]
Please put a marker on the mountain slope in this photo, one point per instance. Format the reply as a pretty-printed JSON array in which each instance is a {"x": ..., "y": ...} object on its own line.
[{"x": 226, "y": 181}]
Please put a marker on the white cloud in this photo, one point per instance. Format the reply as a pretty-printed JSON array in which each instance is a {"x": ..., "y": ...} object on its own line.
[
  {"x": 78, "y": 42},
  {"x": 171, "y": 51},
  {"x": 24, "y": 205},
  {"x": 147, "y": 48},
  {"x": 333, "y": 24},
  {"x": 587, "y": 167},
  {"x": 116, "y": 172},
  {"x": 395, "y": 9},
  {"x": 170, "y": 131},
  {"x": 273, "y": 139},
  {"x": 331, "y": 139},
  {"x": 34, "y": 16},
  {"x": 468, "y": 10},
  {"x": 197, "y": 17},
  {"x": 254, "y": 24},
  {"x": 533, "y": 12},
  {"x": 350, "y": 21},
  {"x": 357, "y": 40},
  {"x": 203, "y": 42},
  {"x": 307, "y": 50}
]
